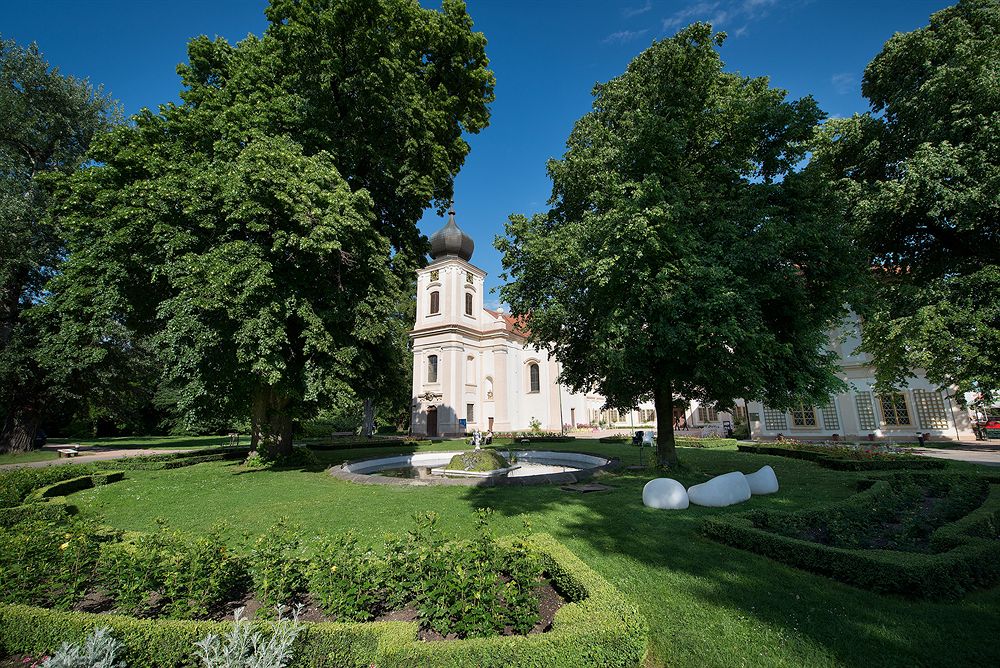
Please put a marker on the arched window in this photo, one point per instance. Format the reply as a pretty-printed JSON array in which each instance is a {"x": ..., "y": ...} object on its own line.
[
  {"x": 468, "y": 303},
  {"x": 435, "y": 302},
  {"x": 432, "y": 368},
  {"x": 536, "y": 385}
]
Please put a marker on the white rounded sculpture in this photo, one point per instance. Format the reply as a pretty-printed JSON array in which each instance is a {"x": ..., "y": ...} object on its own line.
[
  {"x": 763, "y": 481},
  {"x": 722, "y": 490},
  {"x": 665, "y": 493}
]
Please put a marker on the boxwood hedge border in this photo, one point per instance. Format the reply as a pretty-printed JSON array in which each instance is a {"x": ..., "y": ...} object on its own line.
[
  {"x": 842, "y": 464},
  {"x": 968, "y": 554},
  {"x": 600, "y": 627}
]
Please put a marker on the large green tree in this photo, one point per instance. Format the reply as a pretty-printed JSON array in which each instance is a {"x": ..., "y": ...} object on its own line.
[
  {"x": 47, "y": 121},
  {"x": 921, "y": 176},
  {"x": 258, "y": 233},
  {"x": 683, "y": 254}
]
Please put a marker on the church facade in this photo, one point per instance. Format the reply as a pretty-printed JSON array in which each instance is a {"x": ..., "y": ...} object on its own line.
[{"x": 473, "y": 369}]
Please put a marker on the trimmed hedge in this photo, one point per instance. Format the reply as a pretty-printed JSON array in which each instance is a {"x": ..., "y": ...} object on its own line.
[
  {"x": 600, "y": 627},
  {"x": 64, "y": 487},
  {"x": 542, "y": 439},
  {"x": 53, "y": 511},
  {"x": 842, "y": 464},
  {"x": 364, "y": 443},
  {"x": 969, "y": 556}
]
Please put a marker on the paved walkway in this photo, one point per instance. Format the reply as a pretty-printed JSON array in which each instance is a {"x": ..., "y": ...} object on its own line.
[
  {"x": 975, "y": 452},
  {"x": 98, "y": 454}
]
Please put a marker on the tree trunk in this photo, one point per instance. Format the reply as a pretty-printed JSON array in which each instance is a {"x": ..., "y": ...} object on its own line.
[
  {"x": 663, "y": 401},
  {"x": 271, "y": 424},
  {"x": 368, "y": 426},
  {"x": 19, "y": 429}
]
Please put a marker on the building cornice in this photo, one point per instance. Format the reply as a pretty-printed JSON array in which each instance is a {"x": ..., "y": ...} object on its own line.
[{"x": 466, "y": 330}]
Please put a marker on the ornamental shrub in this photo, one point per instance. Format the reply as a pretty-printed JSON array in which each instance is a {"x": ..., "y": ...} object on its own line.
[
  {"x": 47, "y": 563},
  {"x": 98, "y": 650},
  {"x": 277, "y": 566},
  {"x": 186, "y": 576},
  {"x": 247, "y": 647},
  {"x": 350, "y": 582}
]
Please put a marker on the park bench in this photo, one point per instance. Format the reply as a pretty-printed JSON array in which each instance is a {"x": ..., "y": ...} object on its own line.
[{"x": 68, "y": 452}]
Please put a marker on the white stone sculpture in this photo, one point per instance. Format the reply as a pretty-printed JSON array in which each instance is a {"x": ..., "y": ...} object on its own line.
[
  {"x": 763, "y": 481},
  {"x": 665, "y": 493},
  {"x": 722, "y": 490}
]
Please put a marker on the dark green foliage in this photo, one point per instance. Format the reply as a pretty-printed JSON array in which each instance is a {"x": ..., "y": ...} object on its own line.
[
  {"x": 955, "y": 555},
  {"x": 191, "y": 576},
  {"x": 261, "y": 234},
  {"x": 920, "y": 178},
  {"x": 277, "y": 567},
  {"x": 52, "y": 511},
  {"x": 351, "y": 582},
  {"x": 685, "y": 254},
  {"x": 848, "y": 459},
  {"x": 47, "y": 122},
  {"x": 600, "y": 628},
  {"x": 47, "y": 563},
  {"x": 477, "y": 460},
  {"x": 478, "y": 588}
]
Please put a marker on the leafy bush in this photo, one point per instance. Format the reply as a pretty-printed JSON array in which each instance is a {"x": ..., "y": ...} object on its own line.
[
  {"x": 99, "y": 650},
  {"x": 46, "y": 563},
  {"x": 846, "y": 458},
  {"x": 350, "y": 582},
  {"x": 187, "y": 575},
  {"x": 479, "y": 588},
  {"x": 277, "y": 566}
]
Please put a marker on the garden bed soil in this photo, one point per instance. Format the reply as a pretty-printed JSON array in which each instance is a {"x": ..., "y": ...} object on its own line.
[{"x": 550, "y": 600}]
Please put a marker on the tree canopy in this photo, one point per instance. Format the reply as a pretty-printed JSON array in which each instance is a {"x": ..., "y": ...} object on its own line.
[
  {"x": 47, "y": 122},
  {"x": 258, "y": 234},
  {"x": 683, "y": 254},
  {"x": 920, "y": 174}
]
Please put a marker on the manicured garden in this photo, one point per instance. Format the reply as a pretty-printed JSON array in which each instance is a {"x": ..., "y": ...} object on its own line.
[{"x": 705, "y": 603}]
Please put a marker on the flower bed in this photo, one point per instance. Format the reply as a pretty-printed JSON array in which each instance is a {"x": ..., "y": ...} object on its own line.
[
  {"x": 598, "y": 627},
  {"x": 847, "y": 458},
  {"x": 915, "y": 535}
]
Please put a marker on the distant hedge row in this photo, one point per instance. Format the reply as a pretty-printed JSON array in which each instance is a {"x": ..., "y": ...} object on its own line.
[
  {"x": 832, "y": 461},
  {"x": 965, "y": 553},
  {"x": 599, "y": 628}
]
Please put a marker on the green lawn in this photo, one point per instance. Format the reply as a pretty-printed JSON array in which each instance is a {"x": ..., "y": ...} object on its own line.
[
  {"x": 25, "y": 457},
  {"x": 154, "y": 442},
  {"x": 707, "y": 604}
]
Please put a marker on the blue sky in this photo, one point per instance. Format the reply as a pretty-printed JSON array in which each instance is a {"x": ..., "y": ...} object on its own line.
[{"x": 547, "y": 55}]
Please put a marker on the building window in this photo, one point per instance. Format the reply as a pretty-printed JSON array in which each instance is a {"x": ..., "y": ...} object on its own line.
[
  {"x": 774, "y": 420},
  {"x": 894, "y": 411},
  {"x": 470, "y": 413},
  {"x": 831, "y": 421},
  {"x": 930, "y": 409},
  {"x": 707, "y": 414},
  {"x": 647, "y": 415},
  {"x": 468, "y": 303},
  {"x": 470, "y": 370},
  {"x": 432, "y": 369},
  {"x": 803, "y": 416},
  {"x": 435, "y": 302},
  {"x": 866, "y": 415},
  {"x": 435, "y": 275},
  {"x": 535, "y": 384}
]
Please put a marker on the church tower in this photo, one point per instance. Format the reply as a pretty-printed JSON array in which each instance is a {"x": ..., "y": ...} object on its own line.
[{"x": 447, "y": 371}]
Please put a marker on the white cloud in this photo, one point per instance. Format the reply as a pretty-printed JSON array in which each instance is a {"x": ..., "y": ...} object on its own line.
[
  {"x": 623, "y": 36},
  {"x": 629, "y": 12},
  {"x": 844, "y": 83},
  {"x": 721, "y": 14}
]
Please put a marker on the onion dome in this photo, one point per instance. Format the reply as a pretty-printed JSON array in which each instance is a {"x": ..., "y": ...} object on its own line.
[{"x": 451, "y": 240}]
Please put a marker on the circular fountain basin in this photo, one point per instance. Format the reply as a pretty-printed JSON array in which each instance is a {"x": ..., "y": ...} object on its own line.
[{"x": 528, "y": 467}]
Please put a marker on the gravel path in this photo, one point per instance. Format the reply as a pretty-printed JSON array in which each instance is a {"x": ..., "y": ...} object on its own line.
[{"x": 98, "y": 455}]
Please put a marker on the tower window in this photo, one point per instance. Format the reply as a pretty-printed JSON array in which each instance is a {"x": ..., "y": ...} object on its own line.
[
  {"x": 432, "y": 369},
  {"x": 435, "y": 302},
  {"x": 535, "y": 384},
  {"x": 468, "y": 303}
]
